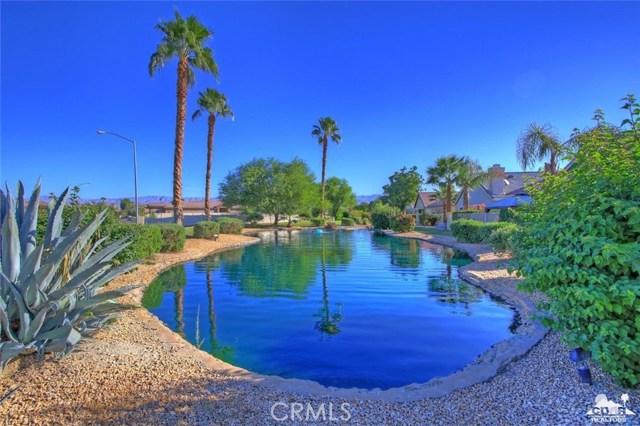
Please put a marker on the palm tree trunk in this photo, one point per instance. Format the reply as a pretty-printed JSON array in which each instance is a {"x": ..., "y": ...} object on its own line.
[
  {"x": 553, "y": 166},
  {"x": 466, "y": 198},
  {"x": 181, "y": 116},
  {"x": 447, "y": 201},
  {"x": 324, "y": 167},
  {"x": 207, "y": 184}
]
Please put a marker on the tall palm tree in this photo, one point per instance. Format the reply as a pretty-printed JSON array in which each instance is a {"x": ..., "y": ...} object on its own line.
[
  {"x": 184, "y": 40},
  {"x": 471, "y": 175},
  {"x": 536, "y": 143},
  {"x": 445, "y": 173},
  {"x": 215, "y": 103},
  {"x": 326, "y": 129}
]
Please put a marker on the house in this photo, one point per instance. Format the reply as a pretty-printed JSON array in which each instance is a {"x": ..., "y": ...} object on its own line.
[
  {"x": 426, "y": 204},
  {"x": 504, "y": 184},
  {"x": 190, "y": 208}
]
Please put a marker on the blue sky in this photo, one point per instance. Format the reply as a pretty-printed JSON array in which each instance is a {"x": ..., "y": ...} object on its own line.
[{"x": 406, "y": 82}]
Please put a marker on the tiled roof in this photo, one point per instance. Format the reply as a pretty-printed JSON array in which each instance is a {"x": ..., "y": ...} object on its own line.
[{"x": 425, "y": 197}]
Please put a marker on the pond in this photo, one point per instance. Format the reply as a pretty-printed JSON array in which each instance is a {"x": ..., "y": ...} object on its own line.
[{"x": 343, "y": 308}]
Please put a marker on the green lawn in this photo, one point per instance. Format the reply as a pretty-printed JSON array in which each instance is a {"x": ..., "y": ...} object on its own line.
[
  {"x": 188, "y": 231},
  {"x": 433, "y": 231}
]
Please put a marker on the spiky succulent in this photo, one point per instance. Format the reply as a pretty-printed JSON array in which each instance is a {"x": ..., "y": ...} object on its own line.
[{"x": 48, "y": 289}]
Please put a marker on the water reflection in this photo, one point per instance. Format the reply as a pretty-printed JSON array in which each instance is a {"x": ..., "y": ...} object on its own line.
[
  {"x": 328, "y": 322},
  {"x": 403, "y": 252},
  {"x": 455, "y": 292},
  {"x": 284, "y": 264},
  {"x": 170, "y": 281}
]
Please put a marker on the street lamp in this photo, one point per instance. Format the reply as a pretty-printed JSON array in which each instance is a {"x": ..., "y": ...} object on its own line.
[{"x": 135, "y": 164}]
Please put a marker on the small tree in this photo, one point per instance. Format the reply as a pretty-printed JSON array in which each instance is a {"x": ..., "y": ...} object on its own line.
[
  {"x": 579, "y": 244},
  {"x": 403, "y": 188},
  {"x": 340, "y": 195}
]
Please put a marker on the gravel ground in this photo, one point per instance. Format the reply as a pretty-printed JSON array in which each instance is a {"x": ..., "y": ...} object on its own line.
[{"x": 138, "y": 373}]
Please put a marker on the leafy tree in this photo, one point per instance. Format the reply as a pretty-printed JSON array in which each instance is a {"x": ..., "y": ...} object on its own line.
[
  {"x": 579, "y": 243},
  {"x": 403, "y": 188},
  {"x": 269, "y": 186},
  {"x": 471, "y": 175},
  {"x": 340, "y": 195},
  {"x": 445, "y": 173},
  {"x": 536, "y": 143},
  {"x": 215, "y": 103},
  {"x": 126, "y": 205},
  {"x": 326, "y": 129},
  {"x": 185, "y": 40}
]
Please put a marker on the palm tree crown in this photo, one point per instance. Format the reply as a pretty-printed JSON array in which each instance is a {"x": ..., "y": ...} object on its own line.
[
  {"x": 536, "y": 143},
  {"x": 183, "y": 39},
  {"x": 471, "y": 175},
  {"x": 445, "y": 173},
  {"x": 326, "y": 129}
]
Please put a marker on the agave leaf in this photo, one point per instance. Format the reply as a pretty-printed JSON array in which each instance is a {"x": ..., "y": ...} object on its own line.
[
  {"x": 23, "y": 312},
  {"x": 54, "y": 225},
  {"x": 31, "y": 264},
  {"x": 20, "y": 204},
  {"x": 95, "y": 246},
  {"x": 36, "y": 324},
  {"x": 29, "y": 223},
  {"x": 106, "y": 254},
  {"x": 8, "y": 351},
  {"x": 111, "y": 274},
  {"x": 74, "y": 224},
  {"x": 4, "y": 206},
  {"x": 6, "y": 325},
  {"x": 65, "y": 246},
  {"x": 104, "y": 297},
  {"x": 79, "y": 279},
  {"x": 10, "y": 246},
  {"x": 66, "y": 333}
]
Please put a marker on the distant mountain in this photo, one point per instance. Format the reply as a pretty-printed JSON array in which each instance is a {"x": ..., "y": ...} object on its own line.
[{"x": 367, "y": 198}]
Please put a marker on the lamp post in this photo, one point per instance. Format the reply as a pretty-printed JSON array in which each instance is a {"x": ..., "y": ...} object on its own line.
[{"x": 135, "y": 165}]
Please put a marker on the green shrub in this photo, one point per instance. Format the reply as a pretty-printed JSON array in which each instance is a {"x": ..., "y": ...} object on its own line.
[
  {"x": 381, "y": 220},
  {"x": 403, "y": 223},
  {"x": 230, "y": 225},
  {"x": 318, "y": 221},
  {"x": 474, "y": 231},
  {"x": 501, "y": 239},
  {"x": 206, "y": 229},
  {"x": 145, "y": 241},
  {"x": 173, "y": 237},
  {"x": 506, "y": 215},
  {"x": 429, "y": 219},
  {"x": 579, "y": 243},
  {"x": 347, "y": 221}
]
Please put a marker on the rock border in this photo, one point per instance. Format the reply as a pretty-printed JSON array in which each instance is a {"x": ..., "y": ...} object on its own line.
[{"x": 485, "y": 367}]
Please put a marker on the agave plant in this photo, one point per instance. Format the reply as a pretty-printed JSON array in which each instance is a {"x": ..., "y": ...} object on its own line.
[{"x": 48, "y": 289}]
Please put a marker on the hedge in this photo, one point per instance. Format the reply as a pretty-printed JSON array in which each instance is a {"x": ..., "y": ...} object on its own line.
[
  {"x": 474, "y": 231},
  {"x": 230, "y": 225},
  {"x": 206, "y": 229},
  {"x": 347, "y": 221},
  {"x": 318, "y": 221},
  {"x": 173, "y": 237},
  {"x": 145, "y": 241},
  {"x": 501, "y": 239}
]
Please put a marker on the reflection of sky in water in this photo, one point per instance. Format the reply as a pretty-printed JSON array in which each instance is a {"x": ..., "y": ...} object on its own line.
[{"x": 342, "y": 308}]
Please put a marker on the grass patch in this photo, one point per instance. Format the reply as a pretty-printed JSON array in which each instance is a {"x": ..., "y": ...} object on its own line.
[
  {"x": 430, "y": 230},
  {"x": 188, "y": 231}
]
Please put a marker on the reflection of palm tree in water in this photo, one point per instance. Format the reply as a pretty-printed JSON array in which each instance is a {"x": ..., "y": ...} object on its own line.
[
  {"x": 327, "y": 324},
  {"x": 212, "y": 314},
  {"x": 179, "y": 300}
]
